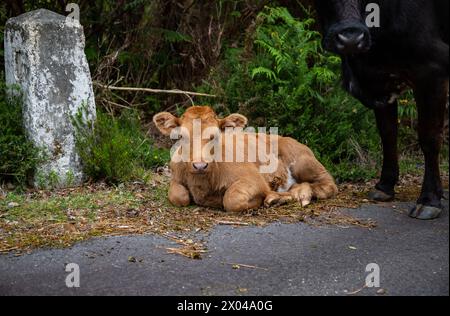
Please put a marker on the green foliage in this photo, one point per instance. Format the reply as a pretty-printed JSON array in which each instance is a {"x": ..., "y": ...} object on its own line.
[
  {"x": 18, "y": 156},
  {"x": 288, "y": 81},
  {"x": 172, "y": 36},
  {"x": 115, "y": 149},
  {"x": 407, "y": 107},
  {"x": 262, "y": 62}
]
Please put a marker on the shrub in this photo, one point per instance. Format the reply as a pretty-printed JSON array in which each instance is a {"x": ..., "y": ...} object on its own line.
[
  {"x": 285, "y": 79},
  {"x": 115, "y": 149},
  {"x": 18, "y": 156}
]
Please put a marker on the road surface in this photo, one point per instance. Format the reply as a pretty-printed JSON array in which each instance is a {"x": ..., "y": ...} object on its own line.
[{"x": 295, "y": 259}]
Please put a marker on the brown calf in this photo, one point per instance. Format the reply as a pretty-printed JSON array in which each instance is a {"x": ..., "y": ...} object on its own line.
[{"x": 239, "y": 186}]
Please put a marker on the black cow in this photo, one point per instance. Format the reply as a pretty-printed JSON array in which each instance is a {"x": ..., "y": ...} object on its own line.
[{"x": 408, "y": 48}]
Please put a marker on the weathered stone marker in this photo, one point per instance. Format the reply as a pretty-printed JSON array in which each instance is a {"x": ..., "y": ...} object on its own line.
[{"x": 44, "y": 56}]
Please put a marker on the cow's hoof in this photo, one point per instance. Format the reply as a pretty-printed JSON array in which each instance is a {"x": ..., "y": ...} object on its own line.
[
  {"x": 445, "y": 196},
  {"x": 380, "y": 196},
  {"x": 424, "y": 212}
]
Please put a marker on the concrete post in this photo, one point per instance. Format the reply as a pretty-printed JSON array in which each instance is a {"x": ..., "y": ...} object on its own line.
[{"x": 44, "y": 57}]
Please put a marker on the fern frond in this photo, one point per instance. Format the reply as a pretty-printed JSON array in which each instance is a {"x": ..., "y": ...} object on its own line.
[{"x": 263, "y": 71}]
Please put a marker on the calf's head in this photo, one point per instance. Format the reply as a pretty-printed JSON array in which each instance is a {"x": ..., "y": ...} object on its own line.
[
  {"x": 198, "y": 127},
  {"x": 344, "y": 28}
]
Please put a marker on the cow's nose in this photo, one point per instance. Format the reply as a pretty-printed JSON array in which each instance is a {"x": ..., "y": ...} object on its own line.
[
  {"x": 200, "y": 166},
  {"x": 351, "y": 41}
]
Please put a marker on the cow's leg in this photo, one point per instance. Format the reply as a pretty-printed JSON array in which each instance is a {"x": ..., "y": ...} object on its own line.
[
  {"x": 431, "y": 98},
  {"x": 178, "y": 194},
  {"x": 387, "y": 123}
]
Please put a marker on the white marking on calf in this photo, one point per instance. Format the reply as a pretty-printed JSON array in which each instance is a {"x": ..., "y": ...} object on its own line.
[{"x": 290, "y": 181}]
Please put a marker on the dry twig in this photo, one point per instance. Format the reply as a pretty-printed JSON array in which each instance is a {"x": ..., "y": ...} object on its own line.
[
  {"x": 232, "y": 223},
  {"x": 188, "y": 93},
  {"x": 246, "y": 266}
]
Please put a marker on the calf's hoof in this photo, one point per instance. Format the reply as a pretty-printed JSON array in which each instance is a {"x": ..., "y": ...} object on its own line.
[
  {"x": 424, "y": 212},
  {"x": 380, "y": 196},
  {"x": 274, "y": 200}
]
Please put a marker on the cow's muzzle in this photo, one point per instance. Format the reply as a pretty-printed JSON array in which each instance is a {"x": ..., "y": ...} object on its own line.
[{"x": 349, "y": 38}]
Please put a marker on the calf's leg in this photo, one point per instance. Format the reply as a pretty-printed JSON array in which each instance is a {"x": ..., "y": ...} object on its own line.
[
  {"x": 431, "y": 98},
  {"x": 303, "y": 193},
  {"x": 246, "y": 195},
  {"x": 178, "y": 194},
  {"x": 313, "y": 180},
  {"x": 242, "y": 196},
  {"x": 387, "y": 123},
  {"x": 277, "y": 198}
]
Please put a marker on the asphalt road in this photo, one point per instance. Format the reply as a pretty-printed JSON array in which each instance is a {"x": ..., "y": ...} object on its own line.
[{"x": 297, "y": 259}]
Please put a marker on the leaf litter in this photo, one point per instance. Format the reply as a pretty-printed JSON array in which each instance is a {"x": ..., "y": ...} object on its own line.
[{"x": 64, "y": 217}]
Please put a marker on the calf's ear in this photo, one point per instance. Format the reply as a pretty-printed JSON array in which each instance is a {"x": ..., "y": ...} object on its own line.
[
  {"x": 234, "y": 121},
  {"x": 166, "y": 122}
]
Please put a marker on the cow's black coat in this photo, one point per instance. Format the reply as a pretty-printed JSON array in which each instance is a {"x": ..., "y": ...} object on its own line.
[{"x": 410, "y": 48}]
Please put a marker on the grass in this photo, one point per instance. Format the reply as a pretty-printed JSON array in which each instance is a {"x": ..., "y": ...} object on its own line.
[
  {"x": 55, "y": 208},
  {"x": 61, "y": 218}
]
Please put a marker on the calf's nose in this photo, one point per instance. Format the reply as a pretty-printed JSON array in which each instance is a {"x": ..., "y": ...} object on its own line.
[
  {"x": 351, "y": 41},
  {"x": 200, "y": 166}
]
